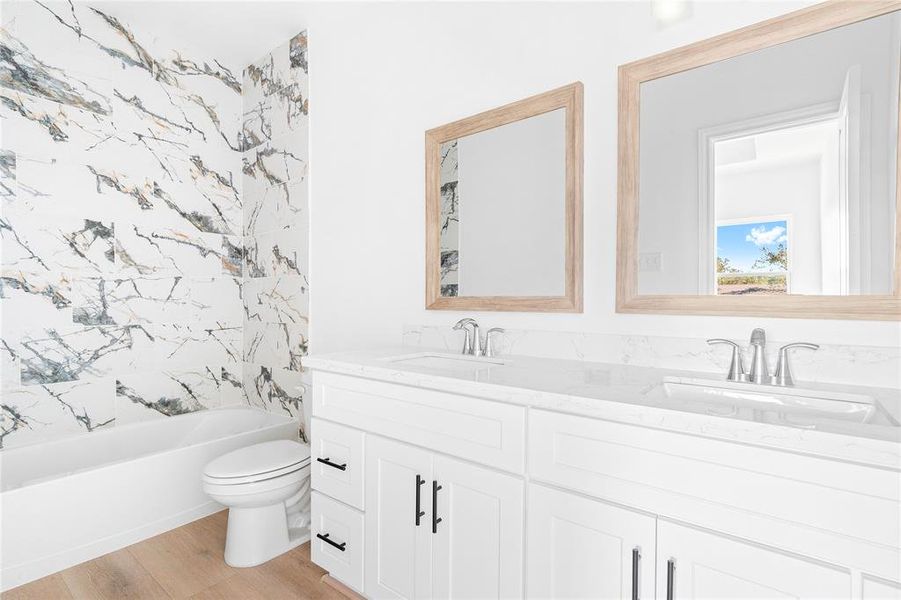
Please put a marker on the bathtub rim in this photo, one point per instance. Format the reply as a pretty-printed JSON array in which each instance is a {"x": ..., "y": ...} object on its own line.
[{"x": 283, "y": 420}]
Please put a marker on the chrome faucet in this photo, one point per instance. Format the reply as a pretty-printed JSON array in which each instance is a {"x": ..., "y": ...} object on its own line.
[
  {"x": 473, "y": 343},
  {"x": 759, "y": 372}
]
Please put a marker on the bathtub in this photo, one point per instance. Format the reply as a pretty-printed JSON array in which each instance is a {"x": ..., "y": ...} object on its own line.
[{"x": 74, "y": 499}]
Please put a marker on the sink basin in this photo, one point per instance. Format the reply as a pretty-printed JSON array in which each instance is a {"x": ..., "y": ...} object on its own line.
[
  {"x": 782, "y": 404},
  {"x": 455, "y": 363}
]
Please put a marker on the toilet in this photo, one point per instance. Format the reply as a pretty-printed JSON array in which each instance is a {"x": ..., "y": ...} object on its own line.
[{"x": 265, "y": 487}]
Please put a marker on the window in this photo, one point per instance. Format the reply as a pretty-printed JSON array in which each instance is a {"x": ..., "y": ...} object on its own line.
[{"x": 752, "y": 256}]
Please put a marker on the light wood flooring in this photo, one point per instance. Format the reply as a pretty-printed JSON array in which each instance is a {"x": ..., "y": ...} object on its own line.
[{"x": 183, "y": 563}]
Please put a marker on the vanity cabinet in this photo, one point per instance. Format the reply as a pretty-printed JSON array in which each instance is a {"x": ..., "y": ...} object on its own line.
[
  {"x": 438, "y": 527},
  {"x": 437, "y": 494},
  {"x": 694, "y": 564},
  {"x": 583, "y": 548}
]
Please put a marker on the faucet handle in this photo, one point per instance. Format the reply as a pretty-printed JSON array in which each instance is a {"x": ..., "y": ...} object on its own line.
[
  {"x": 736, "y": 369},
  {"x": 469, "y": 326},
  {"x": 783, "y": 376},
  {"x": 489, "y": 349}
]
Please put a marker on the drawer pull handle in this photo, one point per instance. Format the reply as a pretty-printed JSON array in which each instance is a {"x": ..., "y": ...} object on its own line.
[
  {"x": 435, "y": 518},
  {"x": 326, "y": 539},
  {"x": 670, "y": 578},
  {"x": 326, "y": 461},
  {"x": 419, "y": 513},
  {"x": 636, "y": 559}
]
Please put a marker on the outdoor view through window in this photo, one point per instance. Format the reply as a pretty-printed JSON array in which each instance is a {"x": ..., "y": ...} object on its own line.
[{"x": 752, "y": 257}]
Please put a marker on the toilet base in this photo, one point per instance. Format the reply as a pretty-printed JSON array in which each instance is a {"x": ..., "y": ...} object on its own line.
[{"x": 259, "y": 534}]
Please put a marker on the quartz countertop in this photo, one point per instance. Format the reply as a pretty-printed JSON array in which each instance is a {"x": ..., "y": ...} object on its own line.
[{"x": 635, "y": 395}]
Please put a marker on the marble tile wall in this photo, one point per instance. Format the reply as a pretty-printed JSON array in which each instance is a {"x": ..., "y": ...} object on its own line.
[
  {"x": 122, "y": 224},
  {"x": 276, "y": 228},
  {"x": 874, "y": 366}
]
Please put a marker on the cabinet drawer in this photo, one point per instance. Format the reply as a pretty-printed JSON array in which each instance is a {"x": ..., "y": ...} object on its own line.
[
  {"x": 343, "y": 526},
  {"x": 337, "y": 462},
  {"x": 482, "y": 431}
]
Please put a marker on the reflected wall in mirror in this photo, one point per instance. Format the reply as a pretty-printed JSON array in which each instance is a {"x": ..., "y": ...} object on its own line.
[
  {"x": 503, "y": 194},
  {"x": 763, "y": 169}
]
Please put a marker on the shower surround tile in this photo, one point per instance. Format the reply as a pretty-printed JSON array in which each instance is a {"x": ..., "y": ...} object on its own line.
[
  {"x": 44, "y": 412},
  {"x": 122, "y": 223},
  {"x": 276, "y": 229}
]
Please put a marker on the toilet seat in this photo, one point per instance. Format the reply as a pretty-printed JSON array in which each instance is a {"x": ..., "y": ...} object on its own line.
[{"x": 258, "y": 463}]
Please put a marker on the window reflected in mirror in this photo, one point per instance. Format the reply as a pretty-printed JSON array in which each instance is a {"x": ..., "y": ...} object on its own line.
[{"x": 773, "y": 172}]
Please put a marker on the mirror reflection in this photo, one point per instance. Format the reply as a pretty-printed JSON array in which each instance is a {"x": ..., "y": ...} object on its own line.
[
  {"x": 502, "y": 215},
  {"x": 773, "y": 172}
]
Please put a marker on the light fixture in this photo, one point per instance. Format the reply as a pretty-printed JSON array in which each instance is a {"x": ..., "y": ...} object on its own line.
[{"x": 667, "y": 12}]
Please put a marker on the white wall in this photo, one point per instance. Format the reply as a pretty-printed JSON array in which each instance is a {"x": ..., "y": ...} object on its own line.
[
  {"x": 511, "y": 191},
  {"x": 381, "y": 74}
]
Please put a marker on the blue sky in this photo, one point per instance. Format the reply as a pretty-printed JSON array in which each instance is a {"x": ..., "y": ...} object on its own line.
[{"x": 741, "y": 243}]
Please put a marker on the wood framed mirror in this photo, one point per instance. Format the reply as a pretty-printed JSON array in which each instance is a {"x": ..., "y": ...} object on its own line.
[
  {"x": 758, "y": 170},
  {"x": 504, "y": 207}
]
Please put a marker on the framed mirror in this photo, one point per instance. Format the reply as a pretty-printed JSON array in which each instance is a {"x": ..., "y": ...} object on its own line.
[
  {"x": 504, "y": 207},
  {"x": 758, "y": 170}
]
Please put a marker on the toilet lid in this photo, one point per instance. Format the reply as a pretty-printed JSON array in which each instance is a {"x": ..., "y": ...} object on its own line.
[{"x": 259, "y": 459}]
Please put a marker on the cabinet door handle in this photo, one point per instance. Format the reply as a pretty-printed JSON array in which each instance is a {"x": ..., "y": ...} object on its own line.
[
  {"x": 326, "y": 539},
  {"x": 419, "y": 513},
  {"x": 326, "y": 461},
  {"x": 670, "y": 578},
  {"x": 435, "y": 518},
  {"x": 636, "y": 558}
]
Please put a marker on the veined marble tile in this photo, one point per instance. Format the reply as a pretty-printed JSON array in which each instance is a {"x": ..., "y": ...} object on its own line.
[
  {"x": 297, "y": 55},
  {"x": 290, "y": 112},
  {"x": 231, "y": 387},
  {"x": 281, "y": 299},
  {"x": 34, "y": 243},
  {"x": 22, "y": 71},
  {"x": 9, "y": 366},
  {"x": 270, "y": 208},
  {"x": 37, "y": 127},
  {"x": 7, "y": 176},
  {"x": 83, "y": 353},
  {"x": 32, "y": 303},
  {"x": 276, "y": 345},
  {"x": 277, "y": 390},
  {"x": 43, "y": 412},
  {"x": 281, "y": 252},
  {"x": 267, "y": 76},
  {"x": 186, "y": 300},
  {"x": 284, "y": 160},
  {"x": 256, "y": 127},
  {"x": 142, "y": 252},
  {"x": 181, "y": 346},
  {"x": 144, "y": 396}
]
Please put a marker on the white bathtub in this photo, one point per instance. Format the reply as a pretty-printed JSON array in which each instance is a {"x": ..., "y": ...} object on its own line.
[{"x": 71, "y": 500}]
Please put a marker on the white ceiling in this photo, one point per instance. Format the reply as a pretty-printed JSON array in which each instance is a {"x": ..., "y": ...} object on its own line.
[{"x": 237, "y": 32}]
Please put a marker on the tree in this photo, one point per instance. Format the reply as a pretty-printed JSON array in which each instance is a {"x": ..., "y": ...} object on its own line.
[
  {"x": 723, "y": 265},
  {"x": 769, "y": 258}
]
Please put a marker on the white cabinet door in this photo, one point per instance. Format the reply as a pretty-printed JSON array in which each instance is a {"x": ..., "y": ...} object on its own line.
[
  {"x": 581, "y": 548},
  {"x": 478, "y": 543},
  {"x": 696, "y": 564},
  {"x": 873, "y": 588},
  {"x": 398, "y": 551}
]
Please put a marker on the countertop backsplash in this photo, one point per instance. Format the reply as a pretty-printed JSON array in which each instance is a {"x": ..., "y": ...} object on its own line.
[{"x": 876, "y": 366}]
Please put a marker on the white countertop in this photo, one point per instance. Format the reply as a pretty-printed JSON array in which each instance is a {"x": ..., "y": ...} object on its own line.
[{"x": 634, "y": 395}]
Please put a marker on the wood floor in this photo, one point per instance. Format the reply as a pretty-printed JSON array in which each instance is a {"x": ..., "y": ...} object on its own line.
[{"x": 183, "y": 563}]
